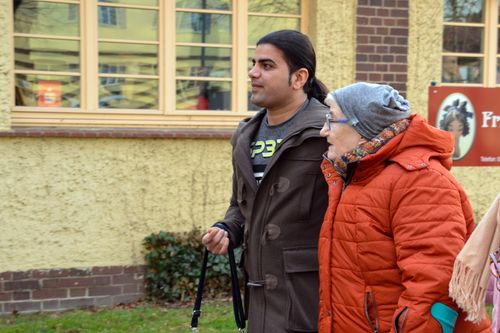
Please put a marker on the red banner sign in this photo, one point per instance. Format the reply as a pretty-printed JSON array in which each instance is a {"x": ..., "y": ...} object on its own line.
[{"x": 472, "y": 115}]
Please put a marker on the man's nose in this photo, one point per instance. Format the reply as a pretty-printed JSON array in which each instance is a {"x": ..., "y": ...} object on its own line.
[{"x": 253, "y": 72}]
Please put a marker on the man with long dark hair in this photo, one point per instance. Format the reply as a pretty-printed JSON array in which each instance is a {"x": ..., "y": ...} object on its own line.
[{"x": 279, "y": 198}]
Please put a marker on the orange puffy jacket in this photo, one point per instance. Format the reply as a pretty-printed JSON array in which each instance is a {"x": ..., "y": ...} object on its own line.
[{"x": 390, "y": 237}]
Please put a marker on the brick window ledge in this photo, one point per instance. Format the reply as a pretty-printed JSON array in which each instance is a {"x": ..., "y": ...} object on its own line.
[{"x": 69, "y": 132}]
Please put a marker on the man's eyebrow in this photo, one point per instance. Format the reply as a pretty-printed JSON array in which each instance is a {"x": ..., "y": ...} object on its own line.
[{"x": 263, "y": 60}]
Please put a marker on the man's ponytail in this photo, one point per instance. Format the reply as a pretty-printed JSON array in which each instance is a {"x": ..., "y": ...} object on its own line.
[{"x": 316, "y": 89}]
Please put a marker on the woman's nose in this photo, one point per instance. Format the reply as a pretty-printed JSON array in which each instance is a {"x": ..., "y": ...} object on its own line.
[{"x": 324, "y": 131}]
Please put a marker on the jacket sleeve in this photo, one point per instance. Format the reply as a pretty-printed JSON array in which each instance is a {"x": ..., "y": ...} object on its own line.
[
  {"x": 430, "y": 217},
  {"x": 233, "y": 221}
]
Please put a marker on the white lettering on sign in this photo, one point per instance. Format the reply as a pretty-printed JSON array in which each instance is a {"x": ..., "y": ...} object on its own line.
[
  {"x": 489, "y": 158},
  {"x": 490, "y": 119}
]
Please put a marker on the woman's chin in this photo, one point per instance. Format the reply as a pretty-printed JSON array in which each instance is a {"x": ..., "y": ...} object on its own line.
[{"x": 331, "y": 155}]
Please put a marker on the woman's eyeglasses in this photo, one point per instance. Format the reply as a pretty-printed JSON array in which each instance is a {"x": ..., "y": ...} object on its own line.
[{"x": 330, "y": 121}]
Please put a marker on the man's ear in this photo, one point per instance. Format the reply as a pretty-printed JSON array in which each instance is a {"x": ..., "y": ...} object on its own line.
[{"x": 299, "y": 78}]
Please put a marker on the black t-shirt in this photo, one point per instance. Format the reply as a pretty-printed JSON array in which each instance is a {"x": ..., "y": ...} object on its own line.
[{"x": 267, "y": 140}]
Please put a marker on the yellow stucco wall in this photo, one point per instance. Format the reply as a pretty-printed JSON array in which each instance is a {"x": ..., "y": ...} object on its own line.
[
  {"x": 333, "y": 28},
  {"x": 5, "y": 66},
  {"x": 482, "y": 184},
  {"x": 90, "y": 202}
]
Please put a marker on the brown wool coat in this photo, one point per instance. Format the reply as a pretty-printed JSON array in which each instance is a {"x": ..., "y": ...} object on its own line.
[{"x": 281, "y": 220}]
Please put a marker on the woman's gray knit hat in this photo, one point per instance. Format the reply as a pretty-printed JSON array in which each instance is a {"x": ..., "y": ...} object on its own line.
[{"x": 371, "y": 107}]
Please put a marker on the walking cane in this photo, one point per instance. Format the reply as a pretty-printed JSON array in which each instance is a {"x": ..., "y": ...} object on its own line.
[{"x": 239, "y": 313}]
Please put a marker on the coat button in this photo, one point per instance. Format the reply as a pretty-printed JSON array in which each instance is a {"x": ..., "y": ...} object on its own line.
[
  {"x": 328, "y": 175},
  {"x": 271, "y": 282},
  {"x": 272, "y": 231},
  {"x": 283, "y": 184}
]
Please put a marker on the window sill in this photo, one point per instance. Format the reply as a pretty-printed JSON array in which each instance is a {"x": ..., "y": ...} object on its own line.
[{"x": 124, "y": 133}]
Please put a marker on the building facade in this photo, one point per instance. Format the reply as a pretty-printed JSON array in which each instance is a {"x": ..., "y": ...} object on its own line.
[{"x": 115, "y": 118}]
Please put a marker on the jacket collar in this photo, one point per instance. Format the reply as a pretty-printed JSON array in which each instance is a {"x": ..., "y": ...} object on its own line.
[
  {"x": 412, "y": 150},
  {"x": 309, "y": 123}
]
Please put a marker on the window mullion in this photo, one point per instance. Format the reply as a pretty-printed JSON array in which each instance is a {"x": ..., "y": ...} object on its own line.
[
  {"x": 90, "y": 56},
  {"x": 491, "y": 34},
  {"x": 240, "y": 56},
  {"x": 304, "y": 17},
  {"x": 168, "y": 60}
]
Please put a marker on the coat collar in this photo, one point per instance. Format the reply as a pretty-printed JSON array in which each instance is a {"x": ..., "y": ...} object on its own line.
[
  {"x": 412, "y": 150},
  {"x": 309, "y": 123}
]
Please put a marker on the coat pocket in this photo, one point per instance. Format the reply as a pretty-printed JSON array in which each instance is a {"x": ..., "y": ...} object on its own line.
[
  {"x": 301, "y": 277},
  {"x": 400, "y": 320}
]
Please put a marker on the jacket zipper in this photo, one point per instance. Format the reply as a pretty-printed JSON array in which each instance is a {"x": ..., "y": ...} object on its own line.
[
  {"x": 268, "y": 202},
  {"x": 403, "y": 314},
  {"x": 369, "y": 305}
]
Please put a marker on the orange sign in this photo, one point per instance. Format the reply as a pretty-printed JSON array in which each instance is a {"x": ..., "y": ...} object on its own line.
[
  {"x": 472, "y": 115},
  {"x": 49, "y": 93}
]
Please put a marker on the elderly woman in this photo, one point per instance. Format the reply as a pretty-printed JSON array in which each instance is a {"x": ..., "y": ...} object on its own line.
[{"x": 395, "y": 222}]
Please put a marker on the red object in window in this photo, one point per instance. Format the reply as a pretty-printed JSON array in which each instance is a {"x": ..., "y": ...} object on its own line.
[
  {"x": 202, "y": 103},
  {"x": 49, "y": 93}
]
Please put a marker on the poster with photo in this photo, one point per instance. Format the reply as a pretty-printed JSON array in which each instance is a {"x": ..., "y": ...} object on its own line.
[
  {"x": 472, "y": 116},
  {"x": 49, "y": 93}
]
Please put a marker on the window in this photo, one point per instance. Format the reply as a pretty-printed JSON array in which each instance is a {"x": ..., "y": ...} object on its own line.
[
  {"x": 150, "y": 63},
  {"x": 470, "y": 43}
]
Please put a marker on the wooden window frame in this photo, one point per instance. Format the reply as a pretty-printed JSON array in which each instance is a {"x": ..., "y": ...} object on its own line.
[
  {"x": 489, "y": 54},
  {"x": 89, "y": 115}
]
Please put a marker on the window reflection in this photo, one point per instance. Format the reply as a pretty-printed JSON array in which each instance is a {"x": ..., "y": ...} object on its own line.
[
  {"x": 203, "y": 95},
  {"x": 498, "y": 71},
  {"x": 204, "y": 4},
  {"x": 125, "y": 93},
  {"x": 111, "y": 16},
  {"x": 203, "y": 28},
  {"x": 47, "y": 54},
  {"x": 134, "y": 2},
  {"x": 461, "y": 69},
  {"x": 47, "y": 90},
  {"x": 203, "y": 61},
  {"x": 464, "y": 11},
  {"x": 259, "y": 26},
  {"x": 127, "y": 23},
  {"x": 463, "y": 39},
  {"x": 38, "y": 17},
  {"x": 274, "y": 6},
  {"x": 128, "y": 58},
  {"x": 498, "y": 41}
]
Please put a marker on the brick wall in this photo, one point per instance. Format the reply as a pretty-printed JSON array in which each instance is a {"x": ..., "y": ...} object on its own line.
[
  {"x": 382, "y": 42},
  {"x": 64, "y": 289}
]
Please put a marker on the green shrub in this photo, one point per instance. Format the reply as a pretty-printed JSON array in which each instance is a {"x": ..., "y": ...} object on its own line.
[{"x": 173, "y": 265}]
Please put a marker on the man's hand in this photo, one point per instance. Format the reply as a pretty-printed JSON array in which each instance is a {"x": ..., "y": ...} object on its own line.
[{"x": 216, "y": 240}]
